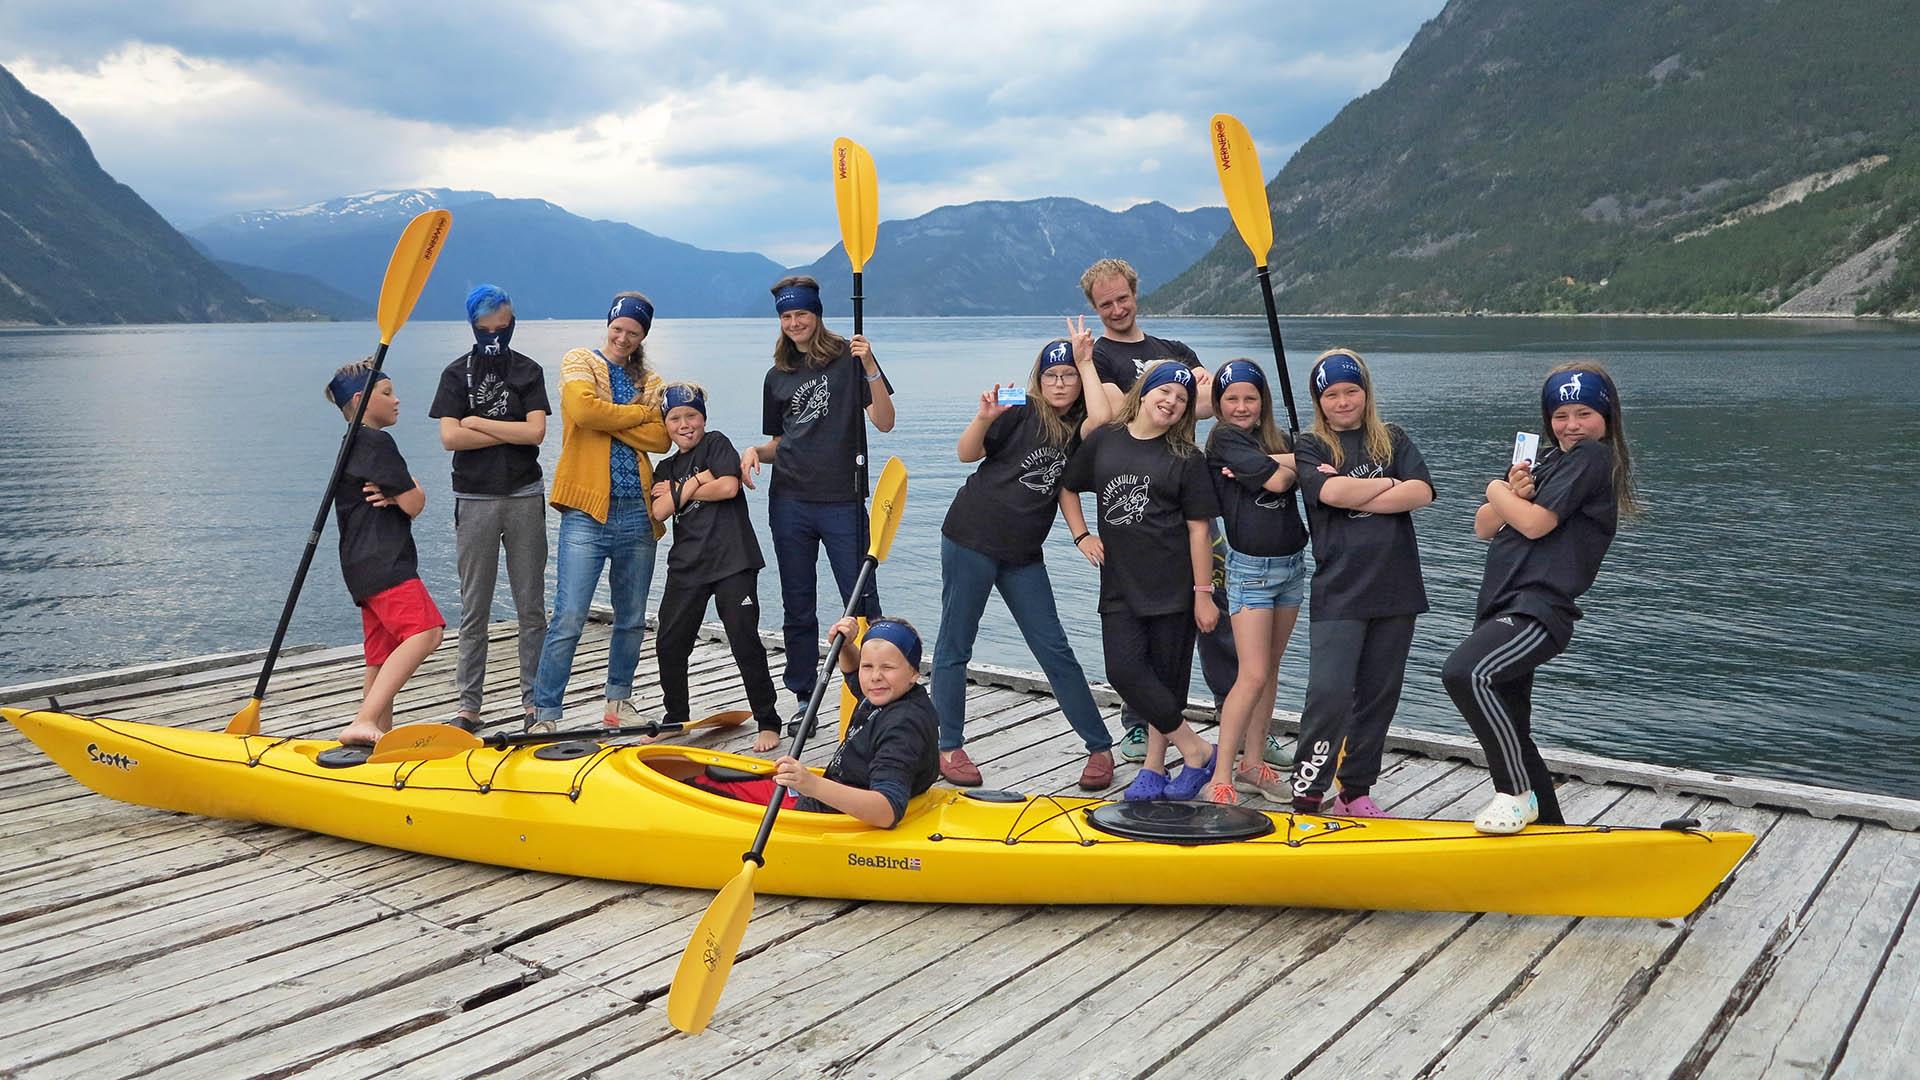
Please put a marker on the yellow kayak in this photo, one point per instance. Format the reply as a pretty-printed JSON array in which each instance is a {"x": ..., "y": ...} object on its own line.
[{"x": 624, "y": 813}]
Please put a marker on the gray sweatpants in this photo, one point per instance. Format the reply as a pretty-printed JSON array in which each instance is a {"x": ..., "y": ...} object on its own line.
[
  {"x": 1354, "y": 672},
  {"x": 481, "y": 527}
]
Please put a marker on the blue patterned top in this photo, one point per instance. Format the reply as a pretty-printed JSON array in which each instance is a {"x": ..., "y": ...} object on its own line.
[{"x": 623, "y": 462}]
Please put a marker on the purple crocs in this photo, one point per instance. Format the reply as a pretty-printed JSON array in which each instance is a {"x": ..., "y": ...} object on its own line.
[
  {"x": 1147, "y": 786},
  {"x": 1193, "y": 780},
  {"x": 1361, "y": 806}
]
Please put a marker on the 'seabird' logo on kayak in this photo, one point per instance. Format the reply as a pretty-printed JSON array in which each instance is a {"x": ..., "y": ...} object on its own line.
[
  {"x": 883, "y": 862},
  {"x": 101, "y": 757}
]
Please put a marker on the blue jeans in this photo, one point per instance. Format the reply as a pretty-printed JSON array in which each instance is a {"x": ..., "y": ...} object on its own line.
[
  {"x": 1265, "y": 581},
  {"x": 626, "y": 542},
  {"x": 799, "y": 530},
  {"x": 966, "y": 577}
]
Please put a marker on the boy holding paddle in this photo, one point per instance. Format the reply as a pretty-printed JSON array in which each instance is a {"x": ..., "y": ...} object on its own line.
[{"x": 375, "y": 502}]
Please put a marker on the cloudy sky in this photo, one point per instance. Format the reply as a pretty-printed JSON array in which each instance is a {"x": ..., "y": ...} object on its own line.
[{"x": 706, "y": 122}]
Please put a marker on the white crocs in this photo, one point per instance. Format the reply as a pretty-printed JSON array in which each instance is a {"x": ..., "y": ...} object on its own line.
[{"x": 1507, "y": 814}]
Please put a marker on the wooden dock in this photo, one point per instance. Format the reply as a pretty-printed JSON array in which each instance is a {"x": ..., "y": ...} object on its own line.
[{"x": 141, "y": 943}]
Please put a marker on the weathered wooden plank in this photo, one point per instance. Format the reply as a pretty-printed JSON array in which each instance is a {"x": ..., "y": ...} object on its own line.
[
  {"x": 1660, "y": 1029},
  {"x": 1884, "y": 1040},
  {"x": 1809, "y": 994}
]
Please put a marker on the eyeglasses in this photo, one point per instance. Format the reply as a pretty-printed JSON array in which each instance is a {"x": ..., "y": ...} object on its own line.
[{"x": 1060, "y": 378}]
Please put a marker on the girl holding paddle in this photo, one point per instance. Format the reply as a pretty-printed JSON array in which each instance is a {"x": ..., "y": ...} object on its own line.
[
  {"x": 1252, "y": 462},
  {"x": 815, "y": 404},
  {"x": 1156, "y": 564},
  {"x": 611, "y": 420},
  {"x": 1550, "y": 522},
  {"x": 992, "y": 539},
  {"x": 1361, "y": 480}
]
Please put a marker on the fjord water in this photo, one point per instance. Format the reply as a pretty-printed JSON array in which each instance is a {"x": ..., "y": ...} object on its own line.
[{"x": 1762, "y": 619}]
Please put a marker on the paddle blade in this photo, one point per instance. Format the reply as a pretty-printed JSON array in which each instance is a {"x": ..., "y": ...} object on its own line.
[
  {"x": 1244, "y": 184},
  {"x": 407, "y": 271},
  {"x": 730, "y": 718},
  {"x": 856, "y": 192},
  {"x": 889, "y": 502},
  {"x": 423, "y": 742},
  {"x": 708, "y": 959},
  {"x": 247, "y": 720}
]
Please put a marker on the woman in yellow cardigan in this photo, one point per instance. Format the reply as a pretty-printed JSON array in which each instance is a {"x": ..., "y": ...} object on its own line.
[{"x": 610, "y": 420}]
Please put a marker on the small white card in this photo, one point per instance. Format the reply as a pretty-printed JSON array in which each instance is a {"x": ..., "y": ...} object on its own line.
[
  {"x": 1012, "y": 395},
  {"x": 1526, "y": 447}
]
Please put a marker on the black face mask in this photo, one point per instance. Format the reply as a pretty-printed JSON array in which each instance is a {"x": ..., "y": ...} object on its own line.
[{"x": 492, "y": 343}]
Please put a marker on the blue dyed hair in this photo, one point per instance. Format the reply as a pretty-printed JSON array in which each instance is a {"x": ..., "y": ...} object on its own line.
[{"x": 484, "y": 300}]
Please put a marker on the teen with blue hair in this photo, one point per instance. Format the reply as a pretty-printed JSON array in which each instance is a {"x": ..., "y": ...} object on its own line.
[{"x": 492, "y": 407}]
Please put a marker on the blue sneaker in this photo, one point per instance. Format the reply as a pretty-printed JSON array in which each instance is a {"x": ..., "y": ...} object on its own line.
[
  {"x": 1133, "y": 745},
  {"x": 1147, "y": 786},
  {"x": 1193, "y": 779}
]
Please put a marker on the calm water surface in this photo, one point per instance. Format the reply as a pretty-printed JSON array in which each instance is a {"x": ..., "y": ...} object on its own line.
[{"x": 1764, "y": 618}]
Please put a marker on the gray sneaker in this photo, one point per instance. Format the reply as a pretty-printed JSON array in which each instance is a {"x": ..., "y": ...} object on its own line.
[
  {"x": 1276, "y": 753},
  {"x": 1133, "y": 745},
  {"x": 537, "y": 727}
]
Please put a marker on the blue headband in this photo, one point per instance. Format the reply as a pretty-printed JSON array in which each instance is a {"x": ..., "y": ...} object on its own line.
[
  {"x": 680, "y": 395},
  {"x": 484, "y": 300},
  {"x": 1056, "y": 352},
  {"x": 797, "y": 298},
  {"x": 899, "y": 634},
  {"x": 632, "y": 307},
  {"x": 1170, "y": 371},
  {"x": 1337, "y": 368},
  {"x": 1575, "y": 387},
  {"x": 1239, "y": 371},
  {"x": 342, "y": 387}
]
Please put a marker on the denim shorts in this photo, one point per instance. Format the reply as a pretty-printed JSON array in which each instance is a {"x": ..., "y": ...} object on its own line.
[{"x": 1265, "y": 581}]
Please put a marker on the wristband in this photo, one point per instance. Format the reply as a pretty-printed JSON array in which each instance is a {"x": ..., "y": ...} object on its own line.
[
  {"x": 875, "y": 377},
  {"x": 1203, "y": 588},
  {"x": 1082, "y": 536}
]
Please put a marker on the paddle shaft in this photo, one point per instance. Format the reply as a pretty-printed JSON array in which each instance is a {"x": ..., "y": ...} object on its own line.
[
  {"x": 757, "y": 851},
  {"x": 319, "y": 525},
  {"x": 859, "y": 325},
  {"x": 1279, "y": 350},
  {"x": 500, "y": 740}
]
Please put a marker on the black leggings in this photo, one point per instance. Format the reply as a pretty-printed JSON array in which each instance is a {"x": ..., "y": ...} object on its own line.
[
  {"x": 1150, "y": 662},
  {"x": 1490, "y": 678},
  {"x": 682, "y": 606}
]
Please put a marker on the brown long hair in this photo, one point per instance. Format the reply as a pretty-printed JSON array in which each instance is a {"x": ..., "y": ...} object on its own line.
[
  {"x": 826, "y": 345},
  {"x": 636, "y": 361},
  {"x": 1179, "y": 437},
  {"x": 1624, "y": 493},
  {"x": 1373, "y": 432},
  {"x": 1057, "y": 426}
]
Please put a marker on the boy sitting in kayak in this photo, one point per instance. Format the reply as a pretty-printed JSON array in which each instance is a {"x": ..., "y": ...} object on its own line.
[
  {"x": 375, "y": 503},
  {"x": 715, "y": 558},
  {"x": 890, "y": 753}
]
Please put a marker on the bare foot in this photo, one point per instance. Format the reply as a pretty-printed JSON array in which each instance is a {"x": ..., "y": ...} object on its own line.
[
  {"x": 361, "y": 734},
  {"x": 766, "y": 741}
]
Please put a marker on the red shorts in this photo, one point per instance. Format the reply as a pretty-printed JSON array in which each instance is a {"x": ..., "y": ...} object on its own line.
[
  {"x": 753, "y": 791},
  {"x": 391, "y": 616}
]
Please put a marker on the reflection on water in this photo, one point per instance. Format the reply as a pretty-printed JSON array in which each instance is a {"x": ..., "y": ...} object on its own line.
[{"x": 1761, "y": 619}]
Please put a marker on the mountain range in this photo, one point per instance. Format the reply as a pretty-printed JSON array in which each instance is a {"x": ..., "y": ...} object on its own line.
[
  {"x": 1607, "y": 156},
  {"x": 76, "y": 246}
]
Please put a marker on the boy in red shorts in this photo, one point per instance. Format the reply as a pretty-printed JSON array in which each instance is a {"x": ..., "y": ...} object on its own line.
[{"x": 375, "y": 503}]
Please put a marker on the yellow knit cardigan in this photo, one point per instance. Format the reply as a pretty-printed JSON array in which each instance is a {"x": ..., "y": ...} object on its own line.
[{"x": 589, "y": 422}]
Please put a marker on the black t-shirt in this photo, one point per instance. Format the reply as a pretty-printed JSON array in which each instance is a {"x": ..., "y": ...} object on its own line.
[
  {"x": 892, "y": 749},
  {"x": 819, "y": 415},
  {"x": 1146, "y": 496},
  {"x": 1007, "y": 506},
  {"x": 1541, "y": 578},
  {"x": 498, "y": 388},
  {"x": 711, "y": 540},
  {"x": 376, "y": 542},
  {"x": 1365, "y": 566},
  {"x": 1259, "y": 522},
  {"x": 1121, "y": 362}
]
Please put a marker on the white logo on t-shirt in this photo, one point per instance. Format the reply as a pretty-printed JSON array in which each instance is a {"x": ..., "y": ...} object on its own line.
[
  {"x": 810, "y": 401},
  {"x": 490, "y": 397},
  {"x": 1367, "y": 471},
  {"x": 1042, "y": 469},
  {"x": 1125, "y": 499},
  {"x": 1269, "y": 500}
]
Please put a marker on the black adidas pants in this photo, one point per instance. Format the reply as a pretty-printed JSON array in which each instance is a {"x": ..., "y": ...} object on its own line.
[
  {"x": 1490, "y": 678},
  {"x": 682, "y": 606}
]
